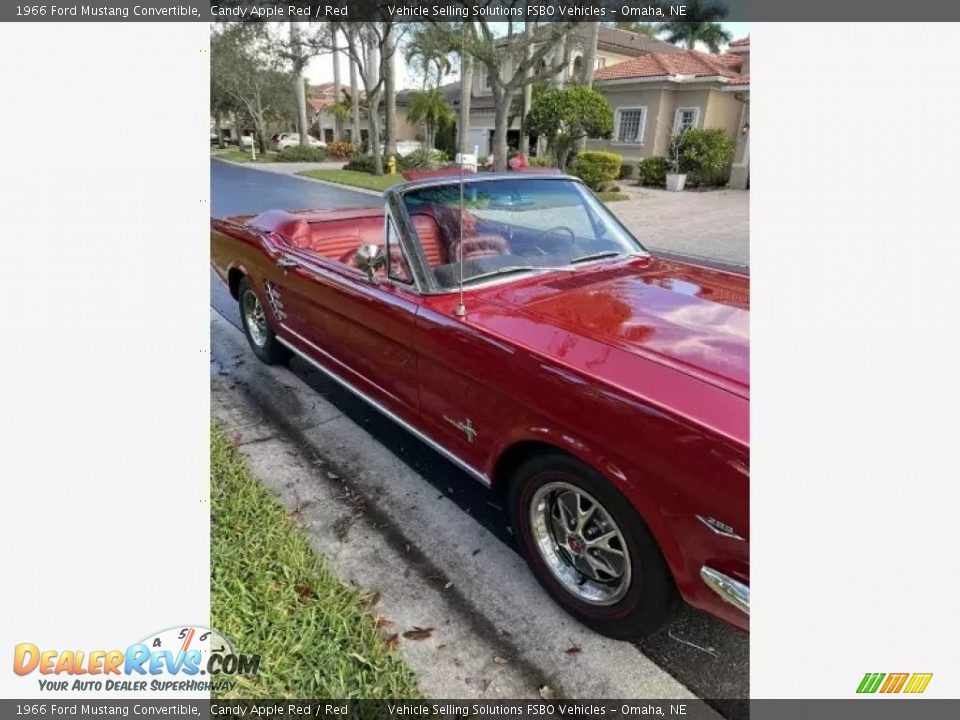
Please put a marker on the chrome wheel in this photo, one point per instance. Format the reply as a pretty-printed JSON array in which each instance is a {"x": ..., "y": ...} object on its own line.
[
  {"x": 580, "y": 543},
  {"x": 254, "y": 319}
]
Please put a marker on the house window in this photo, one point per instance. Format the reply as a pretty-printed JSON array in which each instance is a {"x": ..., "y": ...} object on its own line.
[
  {"x": 630, "y": 122},
  {"x": 600, "y": 63},
  {"x": 685, "y": 119}
]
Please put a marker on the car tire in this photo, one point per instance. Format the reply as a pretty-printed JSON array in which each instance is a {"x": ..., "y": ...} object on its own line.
[
  {"x": 634, "y": 605},
  {"x": 256, "y": 326}
]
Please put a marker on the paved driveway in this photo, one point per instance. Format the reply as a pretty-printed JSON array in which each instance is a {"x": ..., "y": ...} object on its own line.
[{"x": 714, "y": 224}]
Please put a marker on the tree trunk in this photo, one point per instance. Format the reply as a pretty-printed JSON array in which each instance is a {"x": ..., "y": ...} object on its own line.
[
  {"x": 374, "y": 131},
  {"x": 337, "y": 94},
  {"x": 527, "y": 98},
  {"x": 355, "y": 136},
  {"x": 219, "y": 126},
  {"x": 589, "y": 54},
  {"x": 501, "y": 119},
  {"x": 466, "y": 81},
  {"x": 389, "y": 78},
  {"x": 298, "y": 87}
]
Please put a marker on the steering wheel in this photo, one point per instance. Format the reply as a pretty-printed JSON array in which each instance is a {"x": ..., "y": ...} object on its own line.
[{"x": 551, "y": 231}]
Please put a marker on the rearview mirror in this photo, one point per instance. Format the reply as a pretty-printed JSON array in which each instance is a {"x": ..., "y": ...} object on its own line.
[{"x": 369, "y": 259}]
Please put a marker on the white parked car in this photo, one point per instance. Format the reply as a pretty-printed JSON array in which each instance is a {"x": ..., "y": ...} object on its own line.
[{"x": 289, "y": 139}]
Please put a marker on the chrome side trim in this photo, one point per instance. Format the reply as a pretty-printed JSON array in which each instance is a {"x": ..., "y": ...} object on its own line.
[
  {"x": 719, "y": 528},
  {"x": 466, "y": 467},
  {"x": 733, "y": 591}
]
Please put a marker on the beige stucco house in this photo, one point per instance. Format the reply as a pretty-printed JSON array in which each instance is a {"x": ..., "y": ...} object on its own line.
[{"x": 655, "y": 96}]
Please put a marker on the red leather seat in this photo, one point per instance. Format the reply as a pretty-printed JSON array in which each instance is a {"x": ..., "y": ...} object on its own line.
[
  {"x": 428, "y": 232},
  {"x": 333, "y": 238}
]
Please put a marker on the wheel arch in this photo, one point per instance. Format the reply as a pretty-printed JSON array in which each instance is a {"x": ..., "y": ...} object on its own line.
[
  {"x": 628, "y": 483},
  {"x": 234, "y": 275}
]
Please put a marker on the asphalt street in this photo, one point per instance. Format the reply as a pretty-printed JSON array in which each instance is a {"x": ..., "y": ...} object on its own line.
[{"x": 708, "y": 656}]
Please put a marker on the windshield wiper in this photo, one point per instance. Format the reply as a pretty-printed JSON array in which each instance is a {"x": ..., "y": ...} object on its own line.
[{"x": 595, "y": 256}]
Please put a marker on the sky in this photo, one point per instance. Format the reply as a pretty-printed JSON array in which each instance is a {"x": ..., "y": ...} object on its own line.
[{"x": 320, "y": 69}]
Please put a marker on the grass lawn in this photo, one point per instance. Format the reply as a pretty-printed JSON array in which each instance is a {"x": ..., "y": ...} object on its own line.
[
  {"x": 612, "y": 196},
  {"x": 242, "y": 156},
  {"x": 272, "y": 594},
  {"x": 354, "y": 178}
]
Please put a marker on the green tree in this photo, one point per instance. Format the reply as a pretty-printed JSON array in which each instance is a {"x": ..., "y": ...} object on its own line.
[
  {"x": 244, "y": 69},
  {"x": 700, "y": 26},
  {"x": 432, "y": 109},
  {"x": 565, "y": 115}
]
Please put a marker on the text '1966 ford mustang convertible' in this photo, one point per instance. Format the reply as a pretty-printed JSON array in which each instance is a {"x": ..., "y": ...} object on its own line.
[{"x": 516, "y": 327}]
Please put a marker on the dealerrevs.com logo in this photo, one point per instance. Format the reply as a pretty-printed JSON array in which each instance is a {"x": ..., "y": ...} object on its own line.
[
  {"x": 909, "y": 683},
  {"x": 179, "y": 659}
]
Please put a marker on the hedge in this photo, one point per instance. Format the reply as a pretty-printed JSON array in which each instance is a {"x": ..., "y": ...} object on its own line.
[
  {"x": 296, "y": 153},
  {"x": 597, "y": 168},
  {"x": 653, "y": 171}
]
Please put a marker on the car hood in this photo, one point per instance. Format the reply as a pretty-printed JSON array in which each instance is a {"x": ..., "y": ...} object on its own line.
[{"x": 690, "y": 317}]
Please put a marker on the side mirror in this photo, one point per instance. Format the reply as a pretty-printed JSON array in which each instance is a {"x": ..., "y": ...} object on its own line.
[{"x": 369, "y": 259}]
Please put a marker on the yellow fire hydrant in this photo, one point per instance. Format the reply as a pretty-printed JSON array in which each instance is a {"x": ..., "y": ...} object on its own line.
[{"x": 391, "y": 165}]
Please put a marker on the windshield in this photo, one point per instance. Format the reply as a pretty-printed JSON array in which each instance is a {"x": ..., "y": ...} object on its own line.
[{"x": 513, "y": 227}]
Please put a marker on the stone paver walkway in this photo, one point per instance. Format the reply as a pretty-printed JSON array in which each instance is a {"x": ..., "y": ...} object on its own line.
[{"x": 713, "y": 224}]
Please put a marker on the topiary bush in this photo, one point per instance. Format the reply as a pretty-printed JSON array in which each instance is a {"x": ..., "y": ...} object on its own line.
[
  {"x": 653, "y": 171},
  {"x": 341, "y": 150},
  {"x": 296, "y": 153},
  {"x": 626, "y": 171},
  {"x": 361, "y": 163},
  {"x": 597, "y": 168},
  {"x": 705, "y": 155}
]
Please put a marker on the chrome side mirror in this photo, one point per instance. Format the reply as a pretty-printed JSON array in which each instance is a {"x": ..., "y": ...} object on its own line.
[{"x": 369, "y": 259}]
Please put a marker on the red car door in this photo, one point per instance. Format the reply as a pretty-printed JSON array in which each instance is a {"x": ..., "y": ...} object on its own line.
[{"x": 359, "y": 331}]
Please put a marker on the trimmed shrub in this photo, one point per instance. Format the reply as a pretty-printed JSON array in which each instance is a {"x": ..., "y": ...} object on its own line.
[
  {"x": 541, "y": 161},
  {"x": 705, "y": 155},
  {"x": 653, "y": 171},
  {"x": 597, "y": 168},
  {"x": 295, "y": 153},
  {"x": 340, "y": 150},
  {"x": 422, "y": 159},
  {"x": 360, "y": 163},
  {"x": 626, "y": 171}
]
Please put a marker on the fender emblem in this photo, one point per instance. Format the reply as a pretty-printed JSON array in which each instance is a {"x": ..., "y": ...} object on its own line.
[
  {"x": 720, "y": 528},
  {"x": 464, "y": 426}
]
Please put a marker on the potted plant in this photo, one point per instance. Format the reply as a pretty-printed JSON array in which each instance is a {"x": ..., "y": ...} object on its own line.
[{"x": 675, "y": 178}]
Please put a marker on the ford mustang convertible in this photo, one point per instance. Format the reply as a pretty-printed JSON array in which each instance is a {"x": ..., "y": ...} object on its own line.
[{"x": 516, "y": 327}]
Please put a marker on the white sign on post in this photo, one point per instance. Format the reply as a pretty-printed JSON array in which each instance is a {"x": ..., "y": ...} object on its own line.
[{"x": 468, "y": 160}]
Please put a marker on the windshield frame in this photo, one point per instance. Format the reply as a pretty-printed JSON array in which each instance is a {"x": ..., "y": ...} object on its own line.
[{"x": 427, "y": 283}]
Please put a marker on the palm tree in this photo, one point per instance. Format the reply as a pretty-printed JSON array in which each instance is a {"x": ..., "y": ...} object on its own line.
[
  {"x": 338, "y": 118},
  {"x": 432, "y": 109},
  {"x": 429, "y": 51},
  {"x": 700, "y": 26}
]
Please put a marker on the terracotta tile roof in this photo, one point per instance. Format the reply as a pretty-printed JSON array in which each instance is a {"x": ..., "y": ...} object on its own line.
[
  {"x": 319, "y": 105},
  {"x": 740, "y": 80},
  {"x": 742, "y": 42},
  {"x": 688, "y": 62}
]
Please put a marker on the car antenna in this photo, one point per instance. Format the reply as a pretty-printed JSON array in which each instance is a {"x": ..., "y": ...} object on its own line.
[{"x": 461, "y": 309}]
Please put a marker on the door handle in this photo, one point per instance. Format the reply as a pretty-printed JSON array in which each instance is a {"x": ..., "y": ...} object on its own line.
[{"x": 286, "y": 261}]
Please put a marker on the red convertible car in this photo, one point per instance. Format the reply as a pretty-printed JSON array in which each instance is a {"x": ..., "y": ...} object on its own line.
[{"x": 517, "y": 328}]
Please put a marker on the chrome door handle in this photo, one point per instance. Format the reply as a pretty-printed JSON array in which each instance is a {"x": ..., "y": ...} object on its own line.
[{"x": 286, "y": 261}]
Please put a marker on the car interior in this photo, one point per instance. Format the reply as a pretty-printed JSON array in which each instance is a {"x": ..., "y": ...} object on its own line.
[{"x": 489, "y": 243}]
